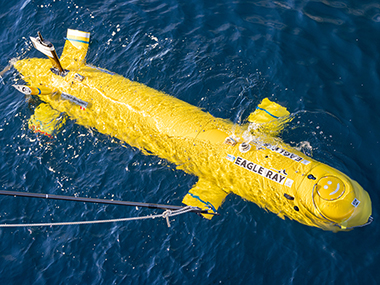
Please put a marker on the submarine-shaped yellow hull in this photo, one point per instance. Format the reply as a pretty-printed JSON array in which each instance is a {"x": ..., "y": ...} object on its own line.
[{"x": 227, "y": 158}]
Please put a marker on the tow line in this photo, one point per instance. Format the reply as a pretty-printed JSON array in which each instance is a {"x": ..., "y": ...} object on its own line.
[{"x": 170, "y": 210}]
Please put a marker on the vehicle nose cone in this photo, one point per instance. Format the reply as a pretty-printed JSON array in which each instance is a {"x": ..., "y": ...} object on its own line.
[{"x": 330, "y": 188}]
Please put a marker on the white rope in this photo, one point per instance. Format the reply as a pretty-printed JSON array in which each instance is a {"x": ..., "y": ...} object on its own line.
[{"x": 166, "y": 215}]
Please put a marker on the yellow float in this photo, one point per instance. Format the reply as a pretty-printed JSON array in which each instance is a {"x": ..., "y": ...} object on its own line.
[{"x": 249, "y": 161}]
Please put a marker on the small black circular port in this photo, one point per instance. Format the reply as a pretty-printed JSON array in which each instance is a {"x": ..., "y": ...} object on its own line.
[{"x": 311, "y": 176}]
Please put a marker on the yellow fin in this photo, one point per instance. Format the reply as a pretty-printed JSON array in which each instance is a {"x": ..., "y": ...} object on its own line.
[
  {"x": 205, "y": 195},
  {"x": 75, "y": 50},
  {"x": 267, "y": 111},
  {"x": 46, "y": 120},
  {"x": 269, "y": 117}
]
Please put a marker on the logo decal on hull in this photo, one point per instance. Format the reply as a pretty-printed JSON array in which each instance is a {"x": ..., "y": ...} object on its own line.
[
  {"x": 261, "y": 170},
  {"x": 285, "y": 153},
  {"x": 75, "y": 100}
]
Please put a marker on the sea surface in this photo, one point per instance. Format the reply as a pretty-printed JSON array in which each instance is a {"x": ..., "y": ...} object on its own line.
[{"x": 320, "y": 59}]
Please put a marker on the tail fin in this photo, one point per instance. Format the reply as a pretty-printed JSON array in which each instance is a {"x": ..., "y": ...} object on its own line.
[
  {"x": 75, "y": 50},
  {"x": 46, "y": 120}
]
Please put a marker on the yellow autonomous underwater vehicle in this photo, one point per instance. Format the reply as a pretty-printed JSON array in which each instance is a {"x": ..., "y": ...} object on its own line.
[{"x": 249, "y": 161}]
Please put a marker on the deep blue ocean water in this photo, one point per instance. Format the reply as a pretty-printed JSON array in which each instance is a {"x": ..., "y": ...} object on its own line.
[{"x": 320, "y": 59}]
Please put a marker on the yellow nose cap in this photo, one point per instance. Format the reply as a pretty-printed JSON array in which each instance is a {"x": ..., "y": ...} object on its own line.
[{"x": 330, "y": 188}]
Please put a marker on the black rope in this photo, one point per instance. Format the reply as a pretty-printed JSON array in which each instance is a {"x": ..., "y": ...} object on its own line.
[{"x": 101, "y": 201}]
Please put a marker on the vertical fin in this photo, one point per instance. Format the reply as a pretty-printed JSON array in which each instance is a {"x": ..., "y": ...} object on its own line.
[{"x": 75, "y": 50}]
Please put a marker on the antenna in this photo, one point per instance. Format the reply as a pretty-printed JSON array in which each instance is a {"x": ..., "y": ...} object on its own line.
[{"x": 47, "y": 48}]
